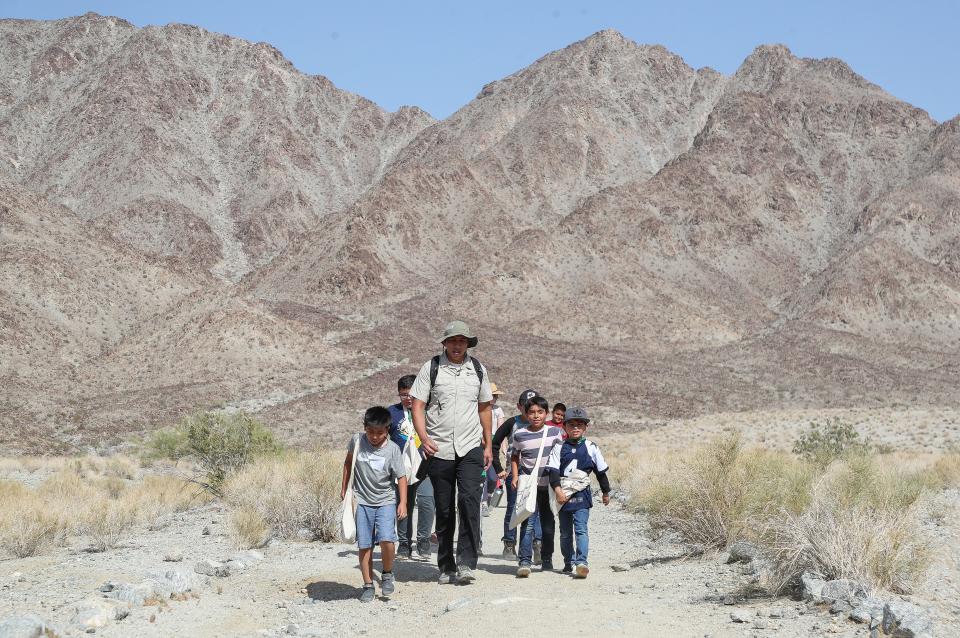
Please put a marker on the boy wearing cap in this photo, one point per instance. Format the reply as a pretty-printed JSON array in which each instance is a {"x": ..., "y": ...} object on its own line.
[
  {"x": 505, "y": 433},
  {"x": 569, "y": 469}
]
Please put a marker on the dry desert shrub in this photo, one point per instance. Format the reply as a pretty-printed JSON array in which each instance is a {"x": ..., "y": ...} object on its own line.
[
  {"x": 107, "y": 521},
  {"x": 294, "y": 491},
  {"x": 248, "y": 527},
  {"x": 858, "y": 517}
]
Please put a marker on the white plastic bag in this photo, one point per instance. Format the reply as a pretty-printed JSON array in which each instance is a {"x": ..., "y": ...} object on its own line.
[
  {"x": 526, "y": 503},
  {"x": 348, "y": 508}
]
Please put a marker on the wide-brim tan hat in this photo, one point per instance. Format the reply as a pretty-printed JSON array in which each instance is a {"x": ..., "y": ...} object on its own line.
[
  {"x": 459, "y": 329},
  {"x": 495, "y": 390}
]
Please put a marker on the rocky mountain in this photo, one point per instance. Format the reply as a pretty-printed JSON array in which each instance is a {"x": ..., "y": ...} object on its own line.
[
  {"x": 207, "y": 150},
  {"x": 187, "y": 221}
]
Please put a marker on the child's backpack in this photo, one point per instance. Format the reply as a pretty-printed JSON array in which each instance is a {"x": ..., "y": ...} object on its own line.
[{"x": 435, "y": 369}]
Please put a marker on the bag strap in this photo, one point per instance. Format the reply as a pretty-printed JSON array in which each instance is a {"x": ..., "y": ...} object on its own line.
[
  {"x": 353, "y": 460},
  {"x": 543, "y": 440}
]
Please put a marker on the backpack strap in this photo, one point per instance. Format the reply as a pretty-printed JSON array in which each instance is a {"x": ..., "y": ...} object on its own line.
[{"x": 435, "y": 370}]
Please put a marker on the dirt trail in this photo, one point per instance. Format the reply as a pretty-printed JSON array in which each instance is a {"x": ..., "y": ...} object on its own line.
[{"x": 676, "y": 599}]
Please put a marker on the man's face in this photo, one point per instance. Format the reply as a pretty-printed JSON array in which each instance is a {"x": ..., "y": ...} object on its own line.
[
  {"x": 456, "y": 348},
  {"x": 405, "y": 399},
  {"x": 536, "y": 416},
  {"x": 558, "y": 415}
]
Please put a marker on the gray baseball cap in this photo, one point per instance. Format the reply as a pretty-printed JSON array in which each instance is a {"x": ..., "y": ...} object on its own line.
[
  {"x": 459, "y": 329},
  {"x": 525, "y": 396},
  {"x": 576, "y": 413}
]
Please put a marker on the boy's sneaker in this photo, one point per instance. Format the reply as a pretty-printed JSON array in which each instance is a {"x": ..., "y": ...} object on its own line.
[
  {"x": 387, "y": 584},
  {"x": 567, "y": 568},
  {"x": 368, "y": 594},
  {"x": 465, "y": 575},
  {"x": 423, "y": 554},
  {"x": 447, "y": 578},
  {"x": 537, "y": 546},
  {"x": 403, "y": 551},
  {"x": 509, "y": 550},
  {"x": 581, "y": 571},
  {"x": 546, "y": 566},
  {"x": 523, "y": 571},
  {"x": 484, "y": 509}
]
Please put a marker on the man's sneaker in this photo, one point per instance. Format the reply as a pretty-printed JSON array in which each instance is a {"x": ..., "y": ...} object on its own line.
[
  {"x": 387, "y": 584},
  {"x": 523, "y": 571},
  {"x": 465, "y": 575},
  {"x": 368, "y": 594},
  {"x": 509, "y": 550},
  {"x": 403, "y": 551},
  {"x": 581, "y": 571},
  {"x": 567, "y": 568},
  {"x": 422, "y": 555},
  {"x": 447, "y": 578},
  {"x": 546, "y": 566},
  {"x": 537, "y": 545}
]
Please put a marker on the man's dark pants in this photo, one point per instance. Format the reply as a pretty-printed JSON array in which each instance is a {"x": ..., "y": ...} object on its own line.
[{"x": 457, "y": 486}]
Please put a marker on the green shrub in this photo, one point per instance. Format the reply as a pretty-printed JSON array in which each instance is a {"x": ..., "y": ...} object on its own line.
[
  {"x": 221, "y": 443},
  {"x": 823, "y": 444},
  {"x": 168, "y": 443}
]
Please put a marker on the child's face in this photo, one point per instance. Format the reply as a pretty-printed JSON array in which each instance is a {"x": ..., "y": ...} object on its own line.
[
  {"x": 376, "y": 436},
  {"x": 405, "y": 399},
  {"x": 575, "y": 428},
  {"x": 536, "y": 415},
  {"x": 558, "y": 415}
]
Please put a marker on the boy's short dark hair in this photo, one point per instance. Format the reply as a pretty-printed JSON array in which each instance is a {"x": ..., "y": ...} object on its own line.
[
  {"x": 536, "y": 401},
  {"x": 376, "y": 417},
  {"x": 406, "y": 382},
  {"x": 559, "y": 406}
]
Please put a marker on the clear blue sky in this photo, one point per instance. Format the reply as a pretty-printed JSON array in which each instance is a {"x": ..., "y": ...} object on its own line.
[{"x": 438, "y": 55}]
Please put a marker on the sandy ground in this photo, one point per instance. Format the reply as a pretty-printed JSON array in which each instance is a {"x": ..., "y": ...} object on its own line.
[{"x": 311, "y": 589}]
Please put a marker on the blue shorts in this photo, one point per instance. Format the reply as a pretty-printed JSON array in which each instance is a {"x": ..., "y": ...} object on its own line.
[{"x": 376, "y": 524}]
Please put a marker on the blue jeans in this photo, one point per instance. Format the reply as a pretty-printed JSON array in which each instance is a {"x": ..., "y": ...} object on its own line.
[
  {"x": 510, "y": 535},
  {"x": 543, "y": 518},
  {"x": 420, "y": 493},
  {"x": 573, "y": 525},
  {"x": 376, "y": 524}
]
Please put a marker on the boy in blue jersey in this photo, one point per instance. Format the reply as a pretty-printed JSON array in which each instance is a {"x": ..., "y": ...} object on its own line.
[{"x": 569, "y": 468}]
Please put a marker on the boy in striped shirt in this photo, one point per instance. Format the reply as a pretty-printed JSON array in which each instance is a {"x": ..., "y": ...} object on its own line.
[{"x": 528, "y": 442}]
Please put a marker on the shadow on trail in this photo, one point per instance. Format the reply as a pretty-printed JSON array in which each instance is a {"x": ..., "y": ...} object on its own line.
[{"x": 327, "y": 591}]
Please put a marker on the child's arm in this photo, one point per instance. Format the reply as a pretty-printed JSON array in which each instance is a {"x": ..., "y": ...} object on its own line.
[
  {"x": 601, "y": 471},
  {"x": 604, "y": 486},
  {"x": 553, "y": 472},
  {"x": 402, "y": 505},
  {"x": 514, "y": 469}
]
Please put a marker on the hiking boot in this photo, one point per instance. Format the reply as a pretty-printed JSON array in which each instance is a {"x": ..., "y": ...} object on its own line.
[
  {"x": 387, "y": 584},
  {"x": 581, "y": 571},
  {"x": 546, "y": 566},
  {"x": 523, "y": 571},
  {"x": 447, "y": 578},
  {"x": 509, "y": 550},
  {"x": 465, "y": 575},
  {"x": 403, "y": 551},
  {"x": 368, "y": 594},
  {"x": 537, "y": 545},
  {"x": 567, "y": 568}
]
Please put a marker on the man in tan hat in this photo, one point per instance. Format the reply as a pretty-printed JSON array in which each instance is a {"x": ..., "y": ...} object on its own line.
[{"x": 451, "y": 414}]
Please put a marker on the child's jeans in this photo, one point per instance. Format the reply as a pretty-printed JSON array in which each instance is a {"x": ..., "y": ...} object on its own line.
[
  {"x": 543, "y": 516},
  {"x": 510, "y": 535},
  {"x": 376, "y": 524},
  {"x": 574, "y": 524}
]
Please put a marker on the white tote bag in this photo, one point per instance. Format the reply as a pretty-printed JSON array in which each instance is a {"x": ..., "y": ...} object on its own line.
[
  {"x": 411, "y": 460},
  {"x": 348, "y": 509},
  {"x": 526, "y": 503}
]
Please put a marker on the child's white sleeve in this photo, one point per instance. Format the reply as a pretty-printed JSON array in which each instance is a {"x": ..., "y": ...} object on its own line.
[
  {"x": 598, "y": 458},
  {"x": 553, "y": 461}
]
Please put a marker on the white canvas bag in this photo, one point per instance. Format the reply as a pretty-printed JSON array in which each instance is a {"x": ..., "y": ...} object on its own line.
[
  {"x": 526, "y": 503},
  {"x": 348, "y": 508},
  {"x": 411, "y": 460}
]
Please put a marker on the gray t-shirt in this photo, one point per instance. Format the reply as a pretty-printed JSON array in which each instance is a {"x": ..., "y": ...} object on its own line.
[{"x": 376, "y": 470}]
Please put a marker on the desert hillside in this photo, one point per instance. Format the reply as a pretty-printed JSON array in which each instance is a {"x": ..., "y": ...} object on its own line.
[{"x": 187, "y": 221}]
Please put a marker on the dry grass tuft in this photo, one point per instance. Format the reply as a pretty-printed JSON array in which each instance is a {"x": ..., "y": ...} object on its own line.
[
  {"x": 858, "y": 517},
  {"x": 294, "y": 491},
  {"x": 248, "y": 528}
]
